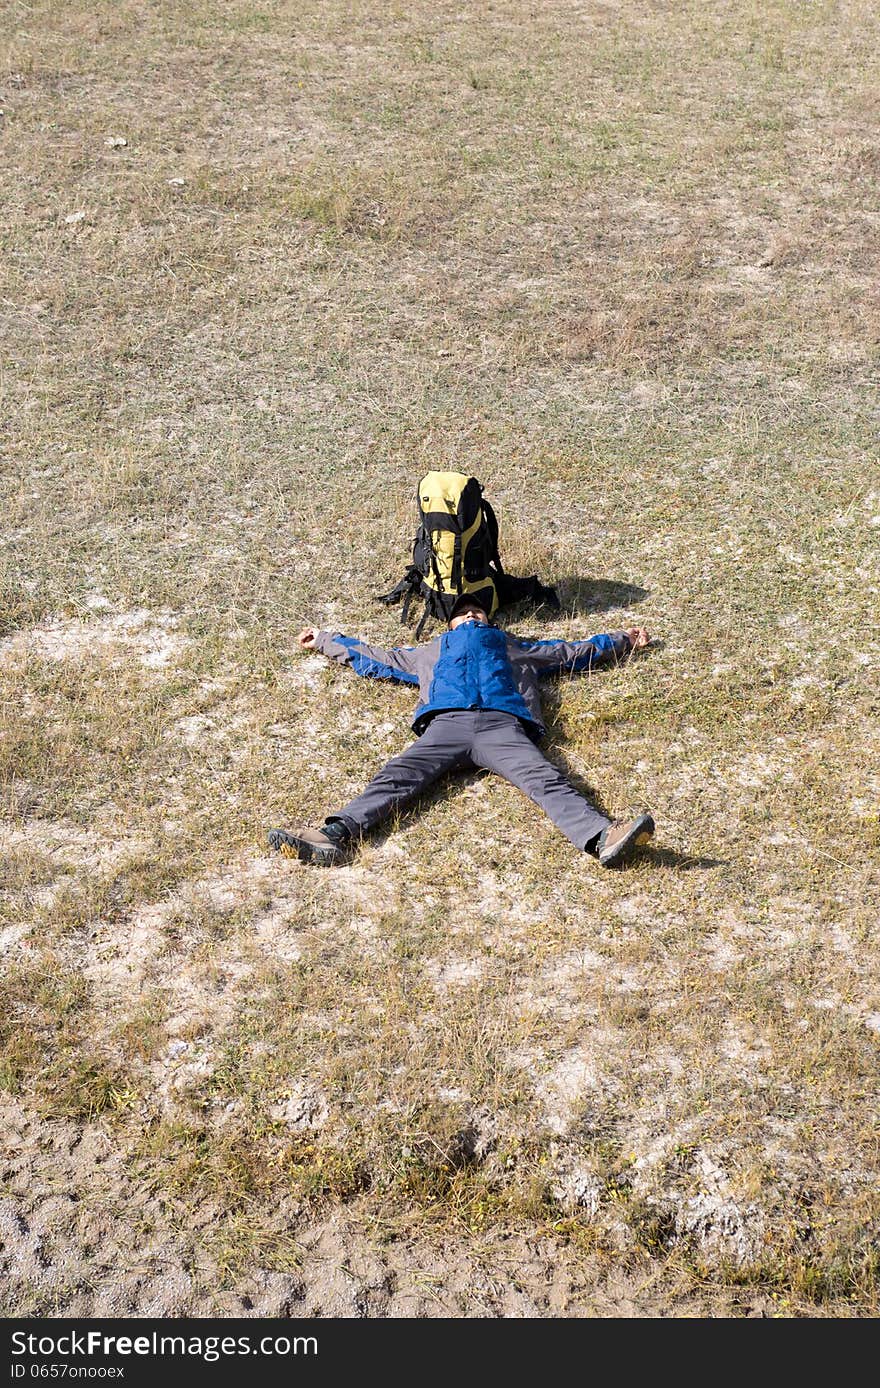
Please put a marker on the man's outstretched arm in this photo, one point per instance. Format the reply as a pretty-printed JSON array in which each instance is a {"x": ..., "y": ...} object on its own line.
[
  {"x": 549, "y": 657},
  {"x": 373, "y": 662}
]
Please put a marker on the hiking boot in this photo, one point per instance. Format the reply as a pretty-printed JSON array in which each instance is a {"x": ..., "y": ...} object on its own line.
[
  {"x": 327, "y": 849},
  {"x": 617, "y": 841}
]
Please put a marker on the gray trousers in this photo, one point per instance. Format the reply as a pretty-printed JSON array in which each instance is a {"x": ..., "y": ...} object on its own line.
[{"x": 475, "y": 737}]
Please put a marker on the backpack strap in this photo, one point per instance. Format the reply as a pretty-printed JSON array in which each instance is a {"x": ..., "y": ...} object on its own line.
[
  {"x": 406, "y": 589},
  {"x": 434, "y": 565},
  {"x": 423, "y": 619},
  {"x": 456, "y": 562},
  {"x": 410, "y": 581},
  {"x": 492, "y": 527}
]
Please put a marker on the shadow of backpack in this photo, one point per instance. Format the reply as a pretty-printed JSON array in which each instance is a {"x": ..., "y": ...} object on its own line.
[{"x": 455, "y": 551}]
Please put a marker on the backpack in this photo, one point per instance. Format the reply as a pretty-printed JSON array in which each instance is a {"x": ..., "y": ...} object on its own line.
[{"x": 455, "y": 551}]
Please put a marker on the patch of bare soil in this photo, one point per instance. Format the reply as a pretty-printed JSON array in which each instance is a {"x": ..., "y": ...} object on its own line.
[{"x": 80, "y": 1237}]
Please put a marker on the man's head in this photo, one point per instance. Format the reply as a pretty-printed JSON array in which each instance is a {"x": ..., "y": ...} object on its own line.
[{"x": 468, "y": 608}]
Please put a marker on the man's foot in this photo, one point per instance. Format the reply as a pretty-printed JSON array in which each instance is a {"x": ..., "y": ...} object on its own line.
[
  {"x": 310, "y": 846},
  {"x": 615, "y": 843}
]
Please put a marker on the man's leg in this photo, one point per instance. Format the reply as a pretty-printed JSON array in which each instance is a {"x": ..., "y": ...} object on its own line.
[
  {"x": 442, "y": 747},
  {"x": 501, "y": 744}
]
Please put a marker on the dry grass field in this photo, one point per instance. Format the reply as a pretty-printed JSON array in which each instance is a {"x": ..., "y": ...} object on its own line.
[{"x": 262, "y": 265}]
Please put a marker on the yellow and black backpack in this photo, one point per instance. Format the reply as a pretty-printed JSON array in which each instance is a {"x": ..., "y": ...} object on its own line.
[{"x": 455, "y": 551}]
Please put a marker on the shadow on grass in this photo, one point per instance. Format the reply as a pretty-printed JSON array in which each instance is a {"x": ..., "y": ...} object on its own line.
[
  {"x": 597, "y": 594},
  {"x": 685, "y": 862},
  {"x": 577, "y": 597}
]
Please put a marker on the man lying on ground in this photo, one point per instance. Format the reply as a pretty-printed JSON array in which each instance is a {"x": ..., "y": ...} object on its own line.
[{"x": 479, "y": 706}]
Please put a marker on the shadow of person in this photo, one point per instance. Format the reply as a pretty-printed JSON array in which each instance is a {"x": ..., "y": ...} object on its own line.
[
  {"x": 582, "y": 595},
  {"x": 684, "y": 862}
]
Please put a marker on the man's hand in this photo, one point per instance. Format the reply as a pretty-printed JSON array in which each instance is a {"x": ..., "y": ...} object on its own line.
[
  {"x": 638, "y": 638},
  {"x": 306, "y": 638}
]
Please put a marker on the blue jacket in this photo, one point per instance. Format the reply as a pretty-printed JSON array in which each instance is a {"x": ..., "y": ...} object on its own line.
[{"x": 475, "y": 666}]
